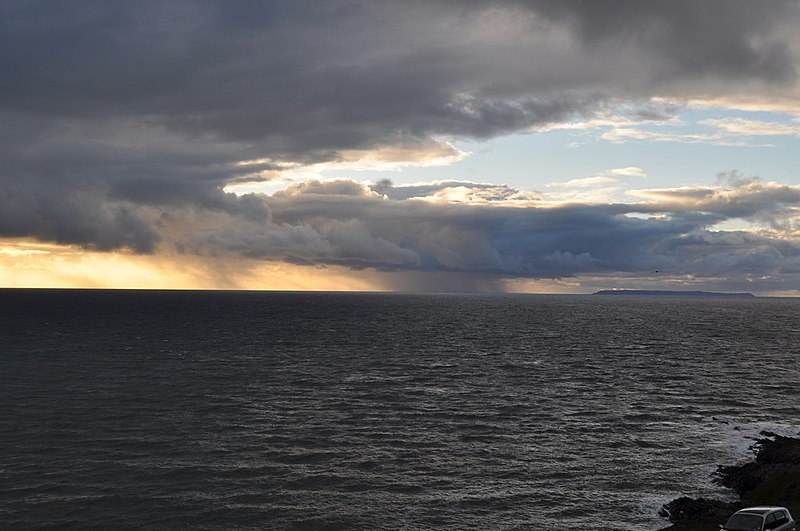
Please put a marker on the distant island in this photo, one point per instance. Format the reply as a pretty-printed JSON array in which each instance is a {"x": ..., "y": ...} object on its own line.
[{"x": 664, "y": 293}]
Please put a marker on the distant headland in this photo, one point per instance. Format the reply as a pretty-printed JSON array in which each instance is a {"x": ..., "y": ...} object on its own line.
[{"x": 664, "y": 293}]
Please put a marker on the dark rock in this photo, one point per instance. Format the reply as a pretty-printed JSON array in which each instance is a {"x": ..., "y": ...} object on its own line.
[
  {"x": 685, "y": 509},
  {"x": 775, "y": 455},
  {"x": 771, "y": 478}
]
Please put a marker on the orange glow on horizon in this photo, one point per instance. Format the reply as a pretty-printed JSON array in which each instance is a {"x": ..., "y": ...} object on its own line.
[
  {"x": 28, "y": 264},
  {"x": 31, "y": 264}
]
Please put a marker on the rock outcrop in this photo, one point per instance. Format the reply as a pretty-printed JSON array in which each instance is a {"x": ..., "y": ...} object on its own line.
[{"x": 771, "y": 478}]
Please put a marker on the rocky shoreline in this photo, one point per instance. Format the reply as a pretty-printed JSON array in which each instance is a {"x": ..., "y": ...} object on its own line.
[{"x": 771, "y": 478}]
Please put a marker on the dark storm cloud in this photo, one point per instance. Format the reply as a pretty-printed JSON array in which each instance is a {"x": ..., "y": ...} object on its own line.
[
  {"x": 121, "y": 122},
  {"x": 727, "y": 38},
  {"x": 300, "y": 79},
  {"x": 307, "y": 79},
  {"x": 82, "y": 217},
  {"x": 97, "y": 184}
]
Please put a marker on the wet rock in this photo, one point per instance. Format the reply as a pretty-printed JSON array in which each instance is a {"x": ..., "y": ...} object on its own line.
[
  {"x": 771, "y": 478},
  {"x": 687, "y": 509}
]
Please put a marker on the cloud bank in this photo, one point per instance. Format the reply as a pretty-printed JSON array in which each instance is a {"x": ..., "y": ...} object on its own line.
[{"x": 671, "y": 233}]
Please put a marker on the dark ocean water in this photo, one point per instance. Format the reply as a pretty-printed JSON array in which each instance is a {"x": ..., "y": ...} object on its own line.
[{"x": 223, "y": 410}]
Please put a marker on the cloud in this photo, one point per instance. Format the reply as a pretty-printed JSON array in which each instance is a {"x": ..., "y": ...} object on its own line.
[
  {"x": 78, "y": 216},
  {"x": 732, "y": 131},
  {"x": 122, "y": 124},
  {"x": 684, "y": 38},
  {"x": 769, "y": 203},
  {"x": 310, "y": 83},
  {"x": 456, "y": 192},
  {"x": 345, "y": 223},
  {"x": 601, "y": 188},
  {"x": 628, "y": 171},
  {"x": 619, "y": 135},
  {"x": 744, "y": 127},
  {"x": 587, "y": 181}
]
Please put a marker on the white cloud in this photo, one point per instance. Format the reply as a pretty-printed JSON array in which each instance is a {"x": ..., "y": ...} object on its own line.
[
  {"x": 619, "y": 135},
  {"x": 629, "y": 171},
  {"x": 745, "y": 127},
  {"x": 604, "y": 187},
  {"x": 585, "y": 182}
]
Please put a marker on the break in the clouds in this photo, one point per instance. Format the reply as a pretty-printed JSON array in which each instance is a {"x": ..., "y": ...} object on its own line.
[{"x": 124, "y": 122}]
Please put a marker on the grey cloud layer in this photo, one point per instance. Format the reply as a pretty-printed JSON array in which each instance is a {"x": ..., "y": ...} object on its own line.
[
  {"x": 347, "y": 223},
  {"x": 308, "y": 79},
  {"x": 725, "y": 38},
  {"x": 121, "y": 120}
]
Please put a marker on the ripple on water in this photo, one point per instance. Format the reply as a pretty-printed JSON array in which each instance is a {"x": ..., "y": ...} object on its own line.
[{"x": 309, "y": 411}]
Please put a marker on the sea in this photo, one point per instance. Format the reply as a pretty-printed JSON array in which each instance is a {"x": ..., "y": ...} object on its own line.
[{"x": 331, "y": 411}]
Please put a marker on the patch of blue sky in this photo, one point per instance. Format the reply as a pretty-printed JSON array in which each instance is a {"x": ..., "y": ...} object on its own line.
[{"x": 692, "y": 150}]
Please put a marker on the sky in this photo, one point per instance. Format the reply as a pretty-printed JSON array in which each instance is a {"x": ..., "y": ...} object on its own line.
[{"x": 545, "y": 146}]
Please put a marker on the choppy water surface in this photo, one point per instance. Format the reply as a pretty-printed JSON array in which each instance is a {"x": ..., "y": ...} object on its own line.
[{"x": 323, "y": 411}]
